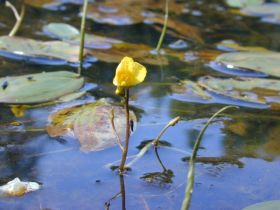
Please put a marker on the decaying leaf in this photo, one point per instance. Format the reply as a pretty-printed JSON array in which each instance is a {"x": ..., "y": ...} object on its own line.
[
  {"x": 50, "y": 52},
  {"x": 38, "y": 88},
  {"x": 230, "y": 45},
  {"x": 18, "y": 188},
  {"x": 90, "y": 124},
  {"x": 255, "y": 90}
]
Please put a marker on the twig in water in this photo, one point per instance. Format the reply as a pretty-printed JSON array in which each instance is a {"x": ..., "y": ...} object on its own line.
[
  {"x": 190, "y": 178},
  {"x": 112, "y": 118}
]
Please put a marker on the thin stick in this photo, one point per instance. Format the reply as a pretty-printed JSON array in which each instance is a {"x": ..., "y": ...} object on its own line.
[
  {"x": 19, "y": 17},
  {"x": 82, "y": 41},
  {"x": 190, "y": 177},
  {"x": 127, "y": 133},
  {"x": 163, "y": 32}
]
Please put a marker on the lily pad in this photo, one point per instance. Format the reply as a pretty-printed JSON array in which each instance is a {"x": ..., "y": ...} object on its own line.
[
  {"x": 243, "y": 3},
  {"x": 230, "y": 45},
  {"x": 71, "y": 35},
  {"x": 268, "y": 205},
  {"x": 254, "y": 90},
  {"x": 270, "y": 12},
  {"x": 50, "y": 52},
  {"x": 90, "y": 124},
  {"x": 38, "y": 88},
  {"x": 190, "y": 91},
  {"x": 264, "y": 62}
]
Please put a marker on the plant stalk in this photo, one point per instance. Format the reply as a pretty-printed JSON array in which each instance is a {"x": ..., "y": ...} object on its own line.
[
  {"x": 127, "y": 133},
  {"x": 163, "y": 32},
  {"x": 191, "y": 173},
  {"x": 82, "y": 39},
  {"x": 19, "y": 17}
]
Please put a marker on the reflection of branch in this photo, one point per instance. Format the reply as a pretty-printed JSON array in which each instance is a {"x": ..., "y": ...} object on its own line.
[
  {"x": 217, "y": 160},
  {"x": 122, "y": 193},
  {"x": 19, "y": 17}
]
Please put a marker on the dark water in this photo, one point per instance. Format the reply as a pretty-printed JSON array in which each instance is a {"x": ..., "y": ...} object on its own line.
[{"x": 245, "y": 140}]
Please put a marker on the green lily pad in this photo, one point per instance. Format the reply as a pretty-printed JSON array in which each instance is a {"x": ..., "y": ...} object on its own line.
[
  {"x": 90, "y": 124},
  {"x": 254, "y": 90},
  {"x": 268, "y": 205},
  {"x": 38, "y": 88},
  {"x": 50, "y": 52},
  {"x": 265, "y": 62},
  {"x": 71, "y": 35},
  {"x": 243, "y": 3}
]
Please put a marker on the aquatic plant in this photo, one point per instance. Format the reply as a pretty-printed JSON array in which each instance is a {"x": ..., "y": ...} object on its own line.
[
  {"x": 163, "y": 32},
  {"x": 128, "y": 74}
]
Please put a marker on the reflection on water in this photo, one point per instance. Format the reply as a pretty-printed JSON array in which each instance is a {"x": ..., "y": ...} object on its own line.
[{"x": 239, "y": 153}]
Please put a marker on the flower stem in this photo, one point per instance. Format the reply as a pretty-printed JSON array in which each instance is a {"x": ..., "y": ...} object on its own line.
[
  {"x": 163, "y": 32},
  {"x": 127, "y": 133},
  {"x": 82, "y": 32}
]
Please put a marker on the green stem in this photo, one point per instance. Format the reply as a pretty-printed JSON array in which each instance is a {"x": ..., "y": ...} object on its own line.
[
  {"x": 82, "y": 41},
  {"x": 127, "y": 133},
  {"x": 190, "y": 178},
  {"x": 163, "y": 32},
  {"x": 122, "y": 186},
  {"x": 19, "y": 17}
]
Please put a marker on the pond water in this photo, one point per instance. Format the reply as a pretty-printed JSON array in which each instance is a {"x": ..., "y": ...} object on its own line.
[{"x": 239, "y": 154}]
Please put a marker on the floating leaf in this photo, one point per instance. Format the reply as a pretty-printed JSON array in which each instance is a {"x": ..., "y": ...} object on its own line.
[
  {"x": 51, "y": 52},
  {"x": 71, "y": 34},
  {"x": 38, "y": 88},
  {"x": 140, "y": 52},
  {"x": 18, "y": 188},
  {"x": 230, "y": 45},
  {"x": 270, "y": 12},
  {"x": 90, "y": 124},
  {"x": 255, "y": 90},
  {"x": 268, "y": 205},
  {"x": 189, "y": 91},
  {"x": 243, "y": 3},
  {"x": 264, "y": 62}
]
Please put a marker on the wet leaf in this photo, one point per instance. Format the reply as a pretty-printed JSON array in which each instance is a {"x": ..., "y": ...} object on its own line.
[
  {"x": 71, "y": 35},
  {"x": 268, "y": 205},
  {"x": 51, "y": 4},
  {"x": 264, "y": 62},
  {"x": 270, "y": 12},
  {"x": 255, "y": 90},
  {"x": 140, "y": 52},
  {"x": 18, "y": 188},
  {"x": 90, "y": 124},
  {"x": 38, "y": 88},
  {"x": 230, "y": 45},
  {"x": 243, "y": 3},
  {"x": 188, "y": 90},
  {"x": 50, "y": 52}
]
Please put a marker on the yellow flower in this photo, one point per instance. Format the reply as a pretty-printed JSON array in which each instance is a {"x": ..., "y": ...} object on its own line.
[{"x": 129, "y": 73}]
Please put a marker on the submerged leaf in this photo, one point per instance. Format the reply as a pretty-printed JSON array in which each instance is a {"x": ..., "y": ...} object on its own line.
[
  {"x": 255, "y": 90},
  {"x": 18, "y": 188},
  {"x": 50, "y": 52},
  {"x": 243, "y": 3},
  {"x": 38, "y": 88},
  {"x": 268, "y": 205},
  {"x": 230, "y": 45},
  {"x": 90, "y": 124}
]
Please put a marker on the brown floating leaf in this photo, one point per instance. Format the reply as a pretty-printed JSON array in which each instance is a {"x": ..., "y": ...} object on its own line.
[
  {"x": 140, "y": 52},
  {"x": 90, "y": 124}
]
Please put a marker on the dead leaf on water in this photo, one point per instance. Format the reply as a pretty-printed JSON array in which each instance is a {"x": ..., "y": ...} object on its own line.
[{"x": 90, "y": 124}]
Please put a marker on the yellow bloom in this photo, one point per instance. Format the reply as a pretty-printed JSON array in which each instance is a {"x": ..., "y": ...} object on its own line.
[{"x": 129, "y": 73}]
